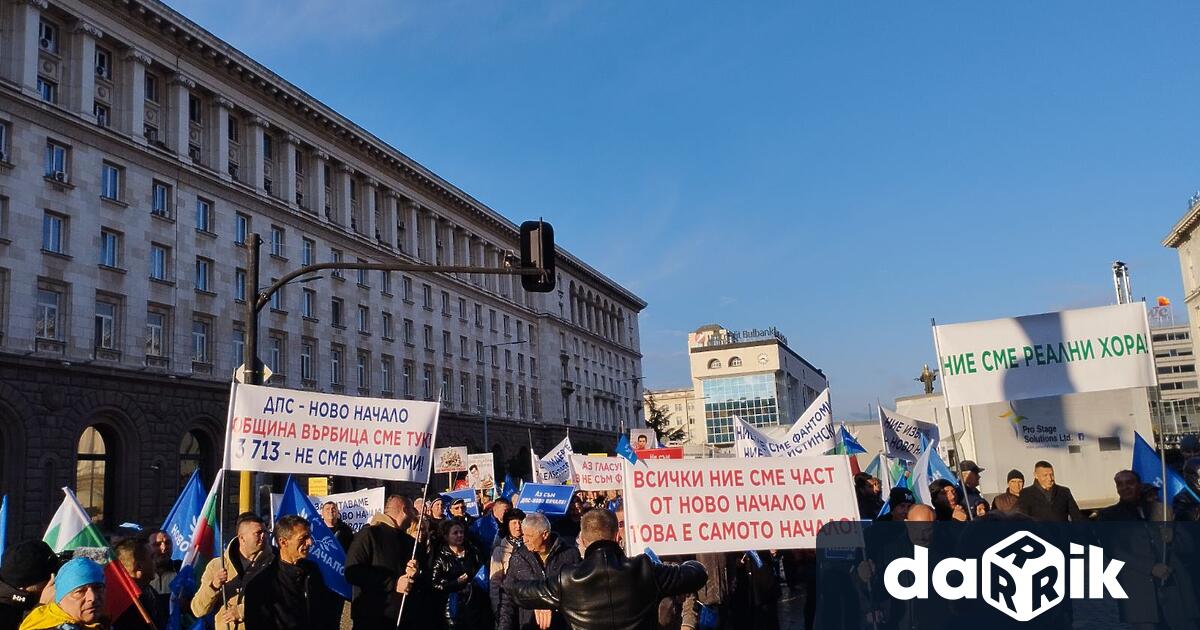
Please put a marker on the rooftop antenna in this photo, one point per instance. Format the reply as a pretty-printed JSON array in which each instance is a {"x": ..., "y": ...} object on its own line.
[{"x": 1121, "y": 282}]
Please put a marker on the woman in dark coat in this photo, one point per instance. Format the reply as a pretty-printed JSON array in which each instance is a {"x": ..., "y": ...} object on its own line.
[{"x": 463, "y": 602}]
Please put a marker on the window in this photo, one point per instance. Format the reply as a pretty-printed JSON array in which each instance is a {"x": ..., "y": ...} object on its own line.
[
  {"x": 387, "y": 326},
  {"x": 268, "y": 150},
  {"x": 408, "y": 289},
  {"x": 714, "y": 364},
  {"x": 507, "y": 326},
  {"x": 426, "y": 382},
  {"x": 150, "y": 85},
  {"x": 110, "y": 181},
  {"x": 335, "y": 255},
  {"x": 195, "y": 109},
  {"x": 49, "y": 303},
  {"x": 239, "y": 285},
  {"x": 447, "y": 383},
  {"x": 204, "y": 215},
  {"x": 495, "y": 396},
  {"x": 520, "y": 363},
  {"x": 54, "y": 229},
  {"x": 276, "y": 360},
  {"x": 492, "y": 319},
  {"x": 56, "y": 160},
  {"x": 385, "y": 282},
  {"x": 508, "y": 359},
  {"x": 385, "y": 375},
  {"x": 277, "y": 242},
  {"x": 462, "y": 309},
  {"x": 160, "y": 200},
  {"x": 110, "y": 248},
  {"x": 335, "y": 307},
  {"x": 360, "y": 368},
  {"x": 462, "y": 346},
  {"x": 407, "y": 378},
  {"x": 427, "y": 297},
  {"x": 241, "y": 228},
  {"x": 495, "y": 357},
  {"x": 478, "y": 316},
  {"x": 335, "y": 365},
  {"x": 48, "y": 36},
  {"x": 364, "y": 319},
  {"x": 446, "y": 303},
  {"x": 4, "y": 141},
  {"x": 479, "y": 393},
  {"x": 308, "y": 252},
  {"x": 204, "y": 273},
  {"x": 156, "y": 334},
  {"x": 446, "y": 350},
  {"x": 362, "y": 275},
  {"x": 308, "y": 303},
  {"x": 239, "y": 344},
  {"x": 200, "y": 340},
  {"x": 306, "y": 361},
  {"x": 479, "y": 352},
  {"x": 102, "y": 113},
  {"x": 429, "y": 337},
  {"x": 734, "y": 362},
  {"x": 92, "y": 465},
  {"x": 47, "y": 90},
  {"x": 234, "y": 129},
  {"x": 103, "y": 63}
]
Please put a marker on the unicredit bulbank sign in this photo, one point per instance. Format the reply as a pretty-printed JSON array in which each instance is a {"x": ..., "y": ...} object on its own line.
[{"x": 1023, "y": 576}]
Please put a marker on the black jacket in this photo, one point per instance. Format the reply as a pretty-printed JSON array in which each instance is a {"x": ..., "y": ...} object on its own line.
[
  {"x": 1057, "y": 506},
  {"x": 343, "y": 534},
  {"x": 463, "y": 606},
  {"x": 375, "y": 561},
  {"x": 525, "y": 565},
  {"x": 609, "y": 591},
  {"x": 291, "y": 597},
  {"x": 14, "y": 605}
]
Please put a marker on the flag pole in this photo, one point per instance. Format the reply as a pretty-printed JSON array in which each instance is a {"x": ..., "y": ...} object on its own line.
[
  {"x": 217, "y": 542},
  {"x": 421, "y": 516},
  {"x": 937, "y": 349}
]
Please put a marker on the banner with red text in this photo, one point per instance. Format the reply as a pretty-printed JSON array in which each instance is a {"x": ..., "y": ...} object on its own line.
[
  {"x": 668, "y": 452},
  {"x": 597, "y": 473},
  {"x": 716, "y": 505},
  {"x": 289, "y": 431}
]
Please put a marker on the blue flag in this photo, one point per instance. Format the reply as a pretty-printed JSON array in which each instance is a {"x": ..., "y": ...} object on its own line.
[
  {"x": 3, "y": 524},
  {"x": 481, "y": 577},
  {"x": 325, "y": 551},
  {"x": 510, "y": 487},
  {"x": 483, "y": 531},
  {"x": 851, "y": 445},
  {"x": 1149, "y": 467},
  {"x": 939, "y": 470},
  {"x": 624, "y": 449},
  {"x": 874, "y": 468},
  {"x": 184, "y": 515}
]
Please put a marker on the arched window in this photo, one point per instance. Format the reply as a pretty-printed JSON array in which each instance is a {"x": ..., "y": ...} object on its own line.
[
  {"x": 194, "y": 451},
  {"x": 735, "y": 362},
  {"x": 93, "y": 472},
  {"x": 714, "y": 364}
]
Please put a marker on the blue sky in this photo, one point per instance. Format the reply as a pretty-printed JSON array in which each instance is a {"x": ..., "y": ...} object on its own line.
[{"x": 843, "y": 171}]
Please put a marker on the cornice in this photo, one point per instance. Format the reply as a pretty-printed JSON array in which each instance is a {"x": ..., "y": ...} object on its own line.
[{"x": 1184, "y": 228}]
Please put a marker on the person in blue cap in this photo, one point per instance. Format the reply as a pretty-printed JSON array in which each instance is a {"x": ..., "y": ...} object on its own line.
[{"x": 79, "y": 600}]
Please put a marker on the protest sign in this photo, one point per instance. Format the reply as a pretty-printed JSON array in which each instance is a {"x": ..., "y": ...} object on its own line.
[
  {"x": 736, "y": 504},
  {"x": 468, "y": 497},
  {"x": 597, "y": 473},
  {"x": 356, "y": 508},
  {"x": 642, "y": 439},
  {"x": 452, "y": 459},
  {"x": 544, "y": 498},
  {"x": 289, "y": 431},
  {"x": 1080, "y": 350},
  {"x": 481, "y": 473},
  {"x": 555, "y": 467},
  {"x": 812, "y": 433},
  {"x": 672, "y": 452},
  {"x": 902, "y": 435}
]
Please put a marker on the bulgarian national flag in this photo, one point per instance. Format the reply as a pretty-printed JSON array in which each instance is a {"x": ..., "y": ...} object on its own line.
[
  {"x": 71, "y": 528},
  {"x": 200, "y": 548}
]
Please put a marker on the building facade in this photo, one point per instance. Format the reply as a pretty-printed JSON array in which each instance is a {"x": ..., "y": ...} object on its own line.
[
  {"x": 752, "y": 374},
  {"x": 1175, "y": 411},
  {"x": 682, "y": 410},
  {"x": 138, "y": 153}
]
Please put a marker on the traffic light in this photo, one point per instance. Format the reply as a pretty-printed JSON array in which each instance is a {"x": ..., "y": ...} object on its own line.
[{"x": 537, "y": 252}]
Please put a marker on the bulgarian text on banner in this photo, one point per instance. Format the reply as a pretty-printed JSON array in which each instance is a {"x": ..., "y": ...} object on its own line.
[
  {"x": 355, "y": 508},
  {"x": 813, "y": 433},
  {"x": 555, "y": 467},
  {"x": 1081, "y": 350},
  {"x": 717, "y": 505},
  {"x": 544, "y": 498},
  {"x": 902, "y": 435},
  {"x": 597, "y": 473},
  {"x": 288, "y": 431}
]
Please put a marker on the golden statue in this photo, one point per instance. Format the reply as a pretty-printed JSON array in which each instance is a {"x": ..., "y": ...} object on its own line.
[{"x": 927, "y": 378}]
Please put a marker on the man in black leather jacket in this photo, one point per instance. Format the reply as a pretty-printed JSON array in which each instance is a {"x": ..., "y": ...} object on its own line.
[{"x": 608, "y": 590}]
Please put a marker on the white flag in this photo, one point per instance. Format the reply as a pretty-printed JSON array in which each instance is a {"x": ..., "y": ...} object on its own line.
[
  {"x": 555, "y": 467},
  {"x": 902, "y": 435},
  {"x": 812, "y": 433}
]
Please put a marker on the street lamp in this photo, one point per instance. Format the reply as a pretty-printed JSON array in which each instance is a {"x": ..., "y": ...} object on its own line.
[{"x": 485, "y": 389}]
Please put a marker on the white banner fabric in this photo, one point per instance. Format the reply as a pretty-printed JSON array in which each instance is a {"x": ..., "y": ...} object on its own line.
[
  {"x": 555, "y": 467},
  {"x": 813, "y": 433},
  {"x": 683, "y": 506},
  {"x": 1081, "y": 350},
  {"x": 902, "y": 435},
  {"x": 597, "y": 473},
  {"x": 279, "y": 430},
  {"x": 356, "y": 508}
]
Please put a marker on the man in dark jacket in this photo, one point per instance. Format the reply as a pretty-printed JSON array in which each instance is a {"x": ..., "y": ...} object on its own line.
[
  {"x": 333, "y": 520},
  {"x": 1045, "y": 501},
  {"x": 25, "y": 572},
  {"x": 379, "y": 566},
  {"x": 543, "y": 555},
  {"x": 290, "y": 594},
  {"x": 608, "y": 590}
]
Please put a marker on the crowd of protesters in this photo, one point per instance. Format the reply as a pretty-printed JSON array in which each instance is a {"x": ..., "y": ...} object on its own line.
[{"x": 425, "y": 563}]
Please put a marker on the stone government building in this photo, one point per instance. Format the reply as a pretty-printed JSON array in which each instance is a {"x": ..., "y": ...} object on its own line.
[{"x": 137, "y": 152}]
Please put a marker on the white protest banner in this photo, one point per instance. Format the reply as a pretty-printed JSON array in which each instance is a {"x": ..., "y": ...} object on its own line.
[
  {"x": 812, "y": 433},
  {"x": 555, "y": 467},
  {"x": 481, "y": 472},
  {"x": 1081, "y": 350},
  {"x": 289, "y": 431},
  {"x": 356, "y": 508},
  {"x": 452, "y": 459},
  {"x": 597, "y": 473},
  {"x": 902, "y": 435},
  {"x": 687, "y": 506}
]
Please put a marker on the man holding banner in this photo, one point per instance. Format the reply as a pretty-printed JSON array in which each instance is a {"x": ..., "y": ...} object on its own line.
[
  {"x": 224, "y": 579},
  {"x": 290, "y": 593}
]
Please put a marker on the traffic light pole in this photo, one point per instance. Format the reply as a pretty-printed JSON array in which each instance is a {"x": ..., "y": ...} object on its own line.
[{"x": 259, "y": 299}]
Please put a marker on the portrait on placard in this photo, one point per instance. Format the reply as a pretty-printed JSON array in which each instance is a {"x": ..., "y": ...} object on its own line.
[{"x": 642, "y": 439}]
